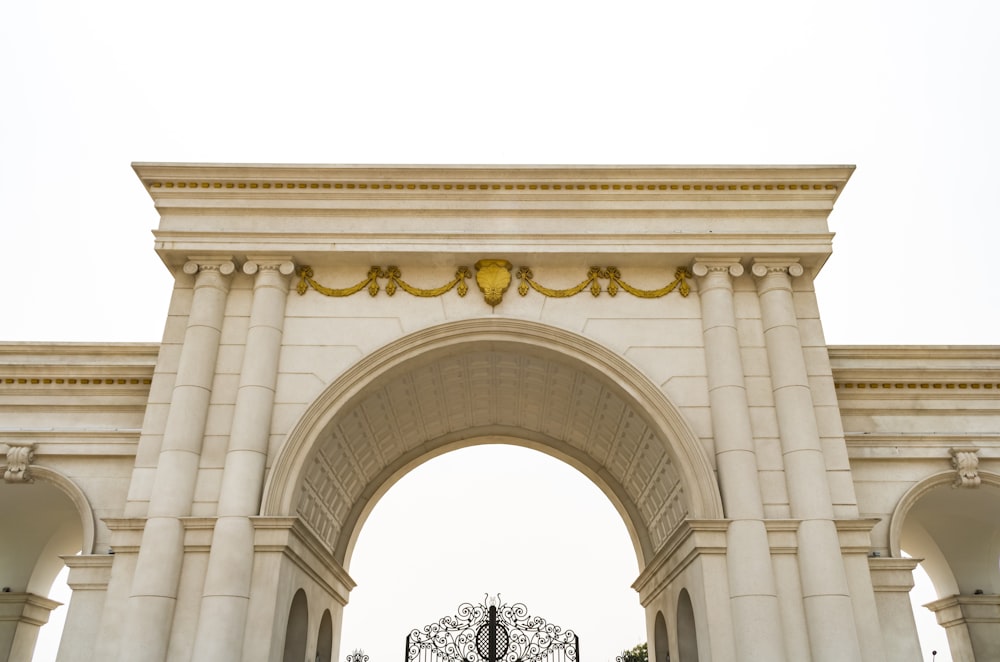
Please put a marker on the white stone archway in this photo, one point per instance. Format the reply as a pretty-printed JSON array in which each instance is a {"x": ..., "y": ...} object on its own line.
[{"x": 500, "y": 379}]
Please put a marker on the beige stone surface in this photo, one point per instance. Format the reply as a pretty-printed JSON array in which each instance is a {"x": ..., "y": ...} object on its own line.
[{"x": 769, "y": 483}]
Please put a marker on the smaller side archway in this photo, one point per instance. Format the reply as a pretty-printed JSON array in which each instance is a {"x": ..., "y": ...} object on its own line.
[
  {"x": 953, "y": 530},
  {"x": 42, "y": 520}
]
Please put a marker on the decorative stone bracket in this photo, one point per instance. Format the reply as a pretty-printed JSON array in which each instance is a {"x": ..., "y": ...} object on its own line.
[
  {"x": 966, "y": 464},
  {"x": 19, "y": 458},
  {"x": 494, "y": 277}
]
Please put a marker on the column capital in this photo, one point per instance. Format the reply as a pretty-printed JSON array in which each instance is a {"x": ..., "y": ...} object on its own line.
[
  {"x": 764, "y": 267},
  {"x": 197, "y": 264},
  {"x": 702, "y": 266},
  {"x": 281, "y": 264}
]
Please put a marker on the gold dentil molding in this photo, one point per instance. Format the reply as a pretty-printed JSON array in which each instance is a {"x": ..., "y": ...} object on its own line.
[
  {"x": 505, "y": 186},
  {"x": 493, "y": 276}
]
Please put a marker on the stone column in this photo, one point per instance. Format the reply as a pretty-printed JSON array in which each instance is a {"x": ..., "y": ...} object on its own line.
[
  {"x": 752, "y": 593},
  {"x": 21, "y": 616},
  {"x": 829, "y": 614},
  {"x": 971, "y": 623},
  {"x": 88, "y": 577},
  {"x": 158, "y": 567},
  {"x": 223, "y": 614}
]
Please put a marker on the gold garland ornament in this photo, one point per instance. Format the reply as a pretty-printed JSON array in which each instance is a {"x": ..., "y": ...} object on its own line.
[
  {"x": 494, "y": 277},
  {"x": 615, "y": 283},
  {"x": 390, "y": 273}
]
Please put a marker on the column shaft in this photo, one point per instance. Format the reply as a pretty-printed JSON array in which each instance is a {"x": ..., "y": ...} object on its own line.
[
  {"x": 752, "y": 590},
  {"x": 828, "y": 609},
  {"x": 226, "y": 595},
  {"x": 158, "y": 567}
]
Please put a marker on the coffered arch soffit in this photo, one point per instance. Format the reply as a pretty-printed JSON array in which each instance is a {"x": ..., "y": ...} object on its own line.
[{"x": 492, "y": 381}]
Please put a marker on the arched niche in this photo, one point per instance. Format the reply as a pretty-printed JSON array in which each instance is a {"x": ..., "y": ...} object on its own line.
[
  {"x": 661, "y": 640},
  {"x": 297, "y": 630},
  {"x": 324, "y": 640},
  {"x": 492, "y": 380},
  {"x": 953, "y": 530},
  {"x": 687, "y": 633}
]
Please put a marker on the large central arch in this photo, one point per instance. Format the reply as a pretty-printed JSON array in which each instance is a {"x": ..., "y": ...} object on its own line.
[{"x": 492, "y": 380}]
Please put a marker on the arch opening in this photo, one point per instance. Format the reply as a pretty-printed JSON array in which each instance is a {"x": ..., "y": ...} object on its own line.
[
  {"x": 954, "y": 533},
  {"x": 487, "y": 519},
  {"x": 42, "y": 521},
  {"x": 461, "y": 383}
]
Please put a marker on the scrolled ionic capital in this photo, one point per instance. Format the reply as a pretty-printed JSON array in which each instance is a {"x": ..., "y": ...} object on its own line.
[
  {"x": 762, "y": 268},
  {"x": 704, "y": 267},
  {"x": 19, "y": 458},
  {"x": 281, "y": 265},
  {"x": 220, "y": 265}
]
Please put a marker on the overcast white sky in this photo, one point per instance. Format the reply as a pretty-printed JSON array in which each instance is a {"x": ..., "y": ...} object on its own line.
[{"x": 906, "y": 90}]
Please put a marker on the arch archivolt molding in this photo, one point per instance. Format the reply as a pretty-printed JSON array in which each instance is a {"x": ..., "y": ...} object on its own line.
[
  {"x": 489, "y": 381},
  {"x": 913, "y": 496}
]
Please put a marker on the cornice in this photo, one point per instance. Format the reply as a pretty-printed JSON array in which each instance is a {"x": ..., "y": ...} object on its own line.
[
  {"x": 272, "y": 178},
  {"x": 916, "y": 371},
  {"x": 915, "y": 352},
  {"x": 62, "y": 352},
  {"x": 71, "y": 368}
]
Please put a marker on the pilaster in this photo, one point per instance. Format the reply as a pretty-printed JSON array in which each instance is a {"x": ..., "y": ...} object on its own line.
[
  {"x": 972, "y": 623},
  {"x": 21, "y": 616},
  {"x": 89, "y": 576},
  {"x": 892, "y": 579}
]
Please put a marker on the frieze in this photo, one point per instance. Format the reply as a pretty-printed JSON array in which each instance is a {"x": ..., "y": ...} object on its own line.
[{"x": 494, "y": 277}]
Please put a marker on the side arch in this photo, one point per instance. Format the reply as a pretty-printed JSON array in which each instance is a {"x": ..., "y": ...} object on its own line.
[
  {"x": 48, "y": 517},
  {"x": 953, "y": 530},
  {"x": 525, "y": 354},
  {"x": 77, "y": 497}
]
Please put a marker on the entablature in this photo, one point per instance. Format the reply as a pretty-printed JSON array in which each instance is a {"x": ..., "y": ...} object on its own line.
[{"x": 322, "y": 214}]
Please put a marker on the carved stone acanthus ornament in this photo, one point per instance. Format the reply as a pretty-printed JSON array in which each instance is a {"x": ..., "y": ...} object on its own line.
[
  {"x": 19, "y": 458},
  {"x": 493, "y": 278},
  {"x": 966, "y": 464}
]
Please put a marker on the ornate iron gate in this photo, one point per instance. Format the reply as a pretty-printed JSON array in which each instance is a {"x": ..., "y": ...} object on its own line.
[{"x": 492, "y": 632}]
